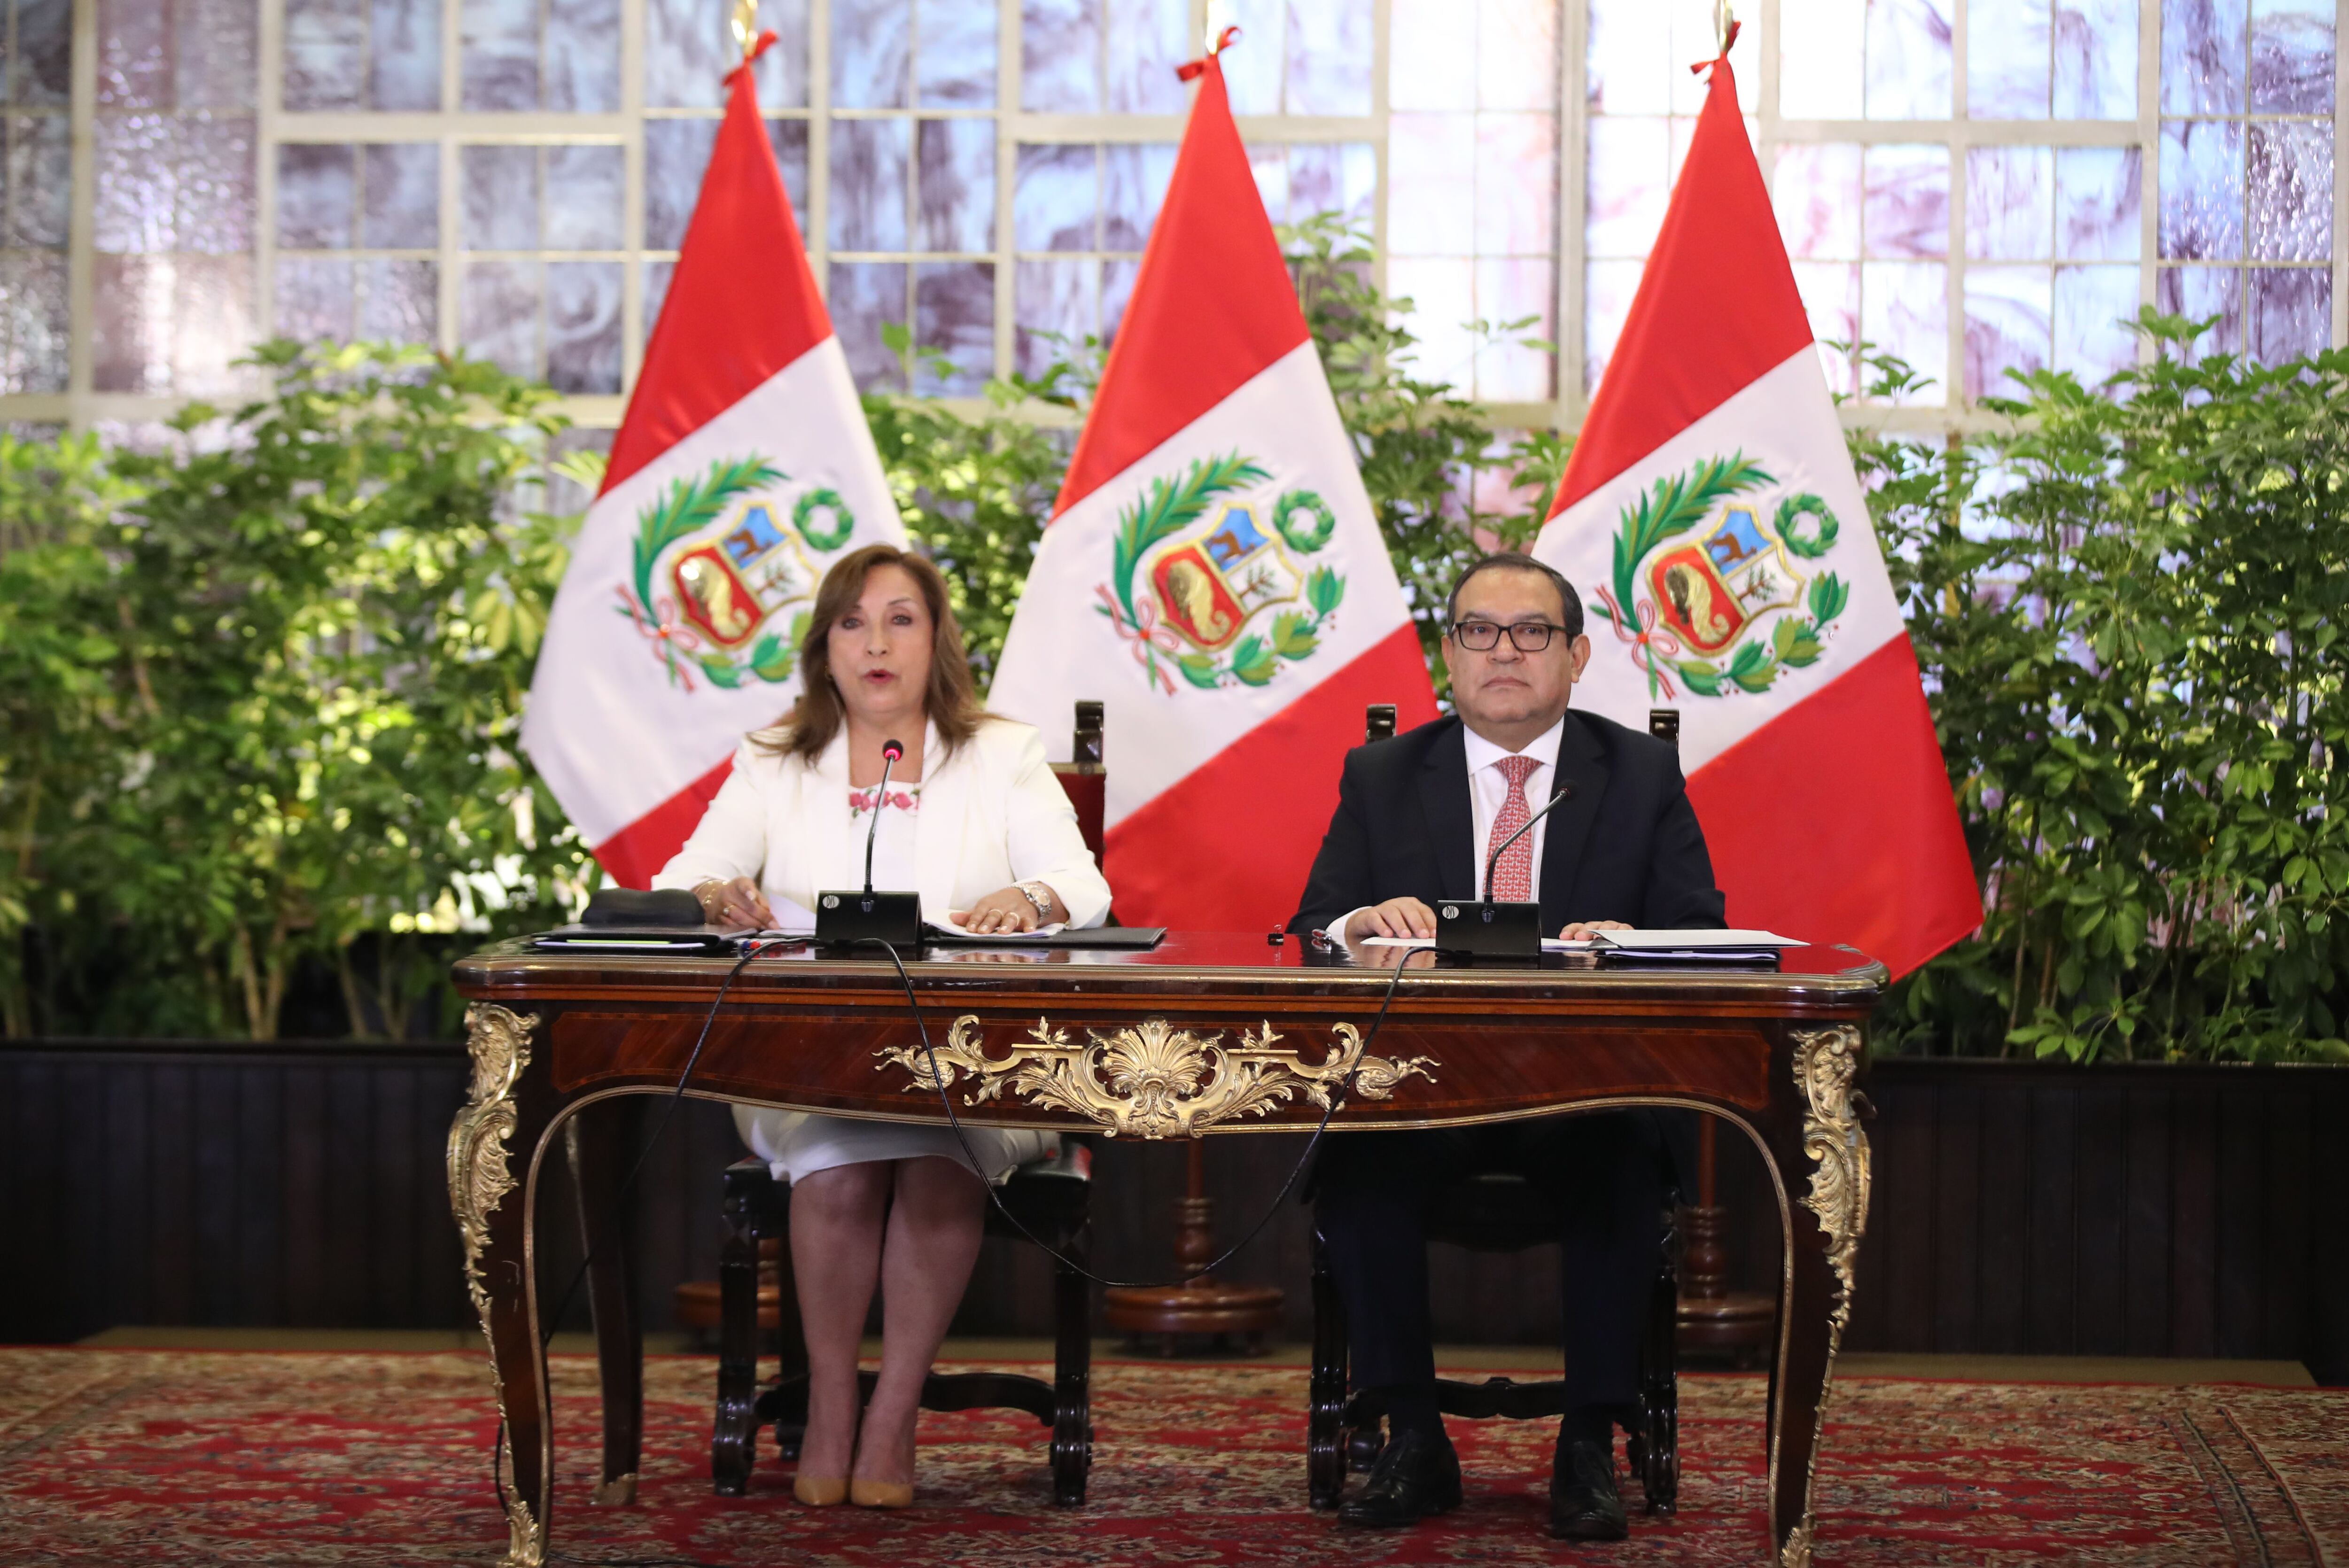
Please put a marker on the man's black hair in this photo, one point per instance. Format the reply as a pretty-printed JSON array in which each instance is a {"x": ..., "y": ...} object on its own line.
[{"x": 1569, "y": 602}]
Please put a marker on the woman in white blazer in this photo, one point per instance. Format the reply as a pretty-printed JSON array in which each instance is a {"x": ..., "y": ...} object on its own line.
[{"x": 974, "y": 822}]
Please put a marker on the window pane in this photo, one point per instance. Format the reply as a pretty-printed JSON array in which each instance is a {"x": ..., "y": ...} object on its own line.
[
  {"x": 1442, "y": 295},
  {"x": 957, "y": 184},
  {"x": 1334, "y": 177},
  {"x": 2008, "y": 317},
  {"x": 399, "y": 301},
  {"x": 34, "y": 317},
  {"x": 689, "y": 47},
  {"x": 1517, "y": 54},
  {"x": 404, "y": 54},
  {"x": 2201, "y": 190},
  {"x": 1627, "y": 184},
  {"x": 313, "y": 299},
  {"x": 1054, "y": 197},
  {"x": 1252, "y": 69},
  {"x": 39, "y": 180},
  {"x": 1431, "y": 55},
  {"x": 2291, "y": 311},
  {"x": 497, "y": 315},
  {"x": 1822, "y": 59},
  {"x": 317, "y": 198},
  {"x": 403, "y": 196},
  {"x": 39, "y": 72},
  {"x": 583, "y": 326},
  {"x": 2100, "y": 204},
  {"x": 1906, "y": 201},
  {"x": 2007, "y": 59},
  {"x": 218, "y": 49},
  {"x": 862, "y": 297},
  {"x": 868, "y": 184},
  {"x": 1904, "y": 310},
  {"x": 1517, "y": 184},
  {"x": 953, "y": 312},
  {"x": 1146, "y": 40},
  {"x": 677, "y": 153},
  {"x": 2289, "y": 182},
  {"x": 871, "y": 41},
  {"x": 955, "y": 62},
  {"x": 2009, "y": 203},
  {"x": 1516, "y": 290},
  {"x": 1909, "y": 74},
  {"x": 1831, "y": 292},
  {"x": 1059, "y": 56},
  {"x": 2202, "y": 57},
  {"x": 1134, "y": 177},
  {"x": 2291, "y": 57},
  {"x": 499, "y": 53},
  {"x": 583, "y": 199},
  {"x": 1057, "y": 306},
  {"x": 1429, "y": 209},
  {"x": 326, "y": 52},
  {"x": 1328, "y": 56},
  {"x": 2094, "y": 308},
  {"x": 1607, "y": 291},
  {"x": 583, "y": 56},
  {"x": 2096, "y": 59},
  {"x": 501, "y": 196},
  {"x": 2199, "y": 293},
  {"x": 1817, "y": 200}
]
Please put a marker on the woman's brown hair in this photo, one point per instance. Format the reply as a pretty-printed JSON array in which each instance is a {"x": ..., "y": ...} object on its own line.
[{"x": 950, "y": 700}]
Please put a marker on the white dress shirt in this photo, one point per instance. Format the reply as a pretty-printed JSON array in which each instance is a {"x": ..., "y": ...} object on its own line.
[{"x": 1488, "y": 789}]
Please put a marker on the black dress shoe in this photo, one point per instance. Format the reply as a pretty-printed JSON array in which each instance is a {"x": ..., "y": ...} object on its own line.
[
  {"x": 1416, "y": 1474},
  {"x": 1583, "y": 1505}
]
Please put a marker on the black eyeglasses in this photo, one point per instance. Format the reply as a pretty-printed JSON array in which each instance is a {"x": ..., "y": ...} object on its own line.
[{"x": 1484, "y": 637}]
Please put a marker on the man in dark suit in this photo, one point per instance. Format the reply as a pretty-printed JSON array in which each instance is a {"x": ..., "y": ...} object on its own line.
[{"x": 1418, "y": 816}]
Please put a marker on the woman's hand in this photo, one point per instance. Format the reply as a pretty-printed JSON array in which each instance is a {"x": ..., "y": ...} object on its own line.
[
  {"x": 1008, "y": 910},
  {"x": 738, "y": 903}
]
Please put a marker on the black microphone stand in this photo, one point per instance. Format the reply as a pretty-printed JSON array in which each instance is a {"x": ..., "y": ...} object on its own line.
[
  {"x": 846, "y": 917},
  {"x": 1481, "y": 928}
]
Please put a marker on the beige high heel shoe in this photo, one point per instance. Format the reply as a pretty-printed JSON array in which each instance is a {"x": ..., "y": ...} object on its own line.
[
  {"x": 820, "y": 1491},
  {"x": 881, "y": 1493}
]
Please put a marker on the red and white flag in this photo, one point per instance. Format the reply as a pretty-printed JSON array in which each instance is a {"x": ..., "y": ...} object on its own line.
[
  {"x": 1213, "y": 572},
  {"x": 1712, "y": 518},
  {"x": 742, "y": 468}
]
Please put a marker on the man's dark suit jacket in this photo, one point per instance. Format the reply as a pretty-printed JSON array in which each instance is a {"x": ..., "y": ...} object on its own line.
[{"x": 1624, "y": 846}]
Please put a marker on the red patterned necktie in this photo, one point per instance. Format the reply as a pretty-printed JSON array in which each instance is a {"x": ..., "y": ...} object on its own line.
[{"x": 1513, "y": 875}]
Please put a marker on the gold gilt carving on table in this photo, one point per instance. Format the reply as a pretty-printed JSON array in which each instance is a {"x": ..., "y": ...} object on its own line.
[
  {"x": 480, "y": 1177},
  {"x": 1826, "y": 1062},
  {"x": 1152, "y": 1080}
]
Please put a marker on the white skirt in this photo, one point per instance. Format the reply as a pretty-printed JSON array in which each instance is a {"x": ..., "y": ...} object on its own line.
[{"x": 796, "y": 1144}]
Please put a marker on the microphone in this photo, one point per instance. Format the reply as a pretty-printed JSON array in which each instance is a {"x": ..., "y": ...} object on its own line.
[
  {"x": 1565, "y": 792},
  {"x": 891, "y": 751},
  {"x": 846, "y": 917}
]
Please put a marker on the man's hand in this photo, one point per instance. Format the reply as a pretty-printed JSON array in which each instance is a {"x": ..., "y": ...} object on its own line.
[
  {"x": 1396, "y": 917},
  {"x": 738, "y": 903},
  {"x": 1584, "y": 930}
]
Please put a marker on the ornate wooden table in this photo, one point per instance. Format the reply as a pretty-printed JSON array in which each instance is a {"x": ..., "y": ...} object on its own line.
[{"x": 1208, "y": 1033}]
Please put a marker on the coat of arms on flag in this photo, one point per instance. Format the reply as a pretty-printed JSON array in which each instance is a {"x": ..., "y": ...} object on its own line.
[
  {"x": 732, "y": 600},
  {"x": 1731, "y": 608},
  {"x": 1189, "y": 595}
]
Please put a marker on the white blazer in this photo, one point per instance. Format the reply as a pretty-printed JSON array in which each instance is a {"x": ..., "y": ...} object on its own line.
[{"x": 992, "y": 814}]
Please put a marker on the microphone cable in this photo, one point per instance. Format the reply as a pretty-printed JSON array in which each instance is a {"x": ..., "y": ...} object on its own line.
[
  {"x": 994, "y": 1195},
  {"x": 751, "y": 949}
]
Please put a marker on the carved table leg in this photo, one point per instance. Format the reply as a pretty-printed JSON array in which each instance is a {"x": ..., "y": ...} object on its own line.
[
  {"x": 600, "y": 1140},
  {"x": 1828, "y": 1177},
  {"x": 734, "y": 1438},
  {"x": 493, "y": 1134}
]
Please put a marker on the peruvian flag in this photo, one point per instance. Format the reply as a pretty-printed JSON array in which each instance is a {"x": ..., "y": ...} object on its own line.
[
  {"x": 1711, "y": 520},
  {"x": 742, "y": 468},
  {"x": 1213, "y": 572}
]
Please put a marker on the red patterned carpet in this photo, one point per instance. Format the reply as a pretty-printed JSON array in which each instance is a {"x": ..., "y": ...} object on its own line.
[{"x": 162, "y": 1460}]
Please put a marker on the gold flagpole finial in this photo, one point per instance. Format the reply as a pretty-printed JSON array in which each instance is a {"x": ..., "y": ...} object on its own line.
[
  {"x": 1724, "y": 25},
  {"x": 746, "y": 26}
]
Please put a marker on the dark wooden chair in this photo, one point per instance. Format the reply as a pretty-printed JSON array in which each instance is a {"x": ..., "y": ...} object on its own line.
[
  {"x": 754, "y": 1292},
  {"x": 1485, "y": 1211},
  {"x": 1489, "y": 1211},
  {"x": 1052, "y": 1198}
]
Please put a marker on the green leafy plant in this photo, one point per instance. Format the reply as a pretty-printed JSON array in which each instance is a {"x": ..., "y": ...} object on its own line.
[{"x": 2128, "y": 605}]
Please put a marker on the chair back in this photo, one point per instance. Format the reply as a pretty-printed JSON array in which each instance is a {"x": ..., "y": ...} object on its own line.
[
  {"x": 1378, "y": 722},
  {"x": 1083, "y": 779}
]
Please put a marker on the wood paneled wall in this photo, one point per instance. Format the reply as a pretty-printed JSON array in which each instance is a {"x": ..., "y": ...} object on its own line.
[{"x": 2019, "y": 1209}]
